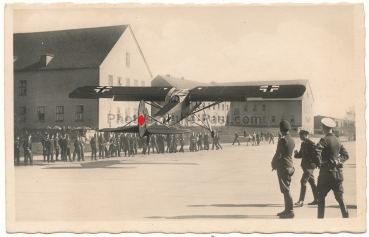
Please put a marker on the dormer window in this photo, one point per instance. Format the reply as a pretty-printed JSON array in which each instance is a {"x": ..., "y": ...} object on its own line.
[{"x": 46, "y": 58}]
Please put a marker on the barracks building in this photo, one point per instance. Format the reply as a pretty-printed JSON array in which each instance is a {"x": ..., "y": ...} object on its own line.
[{"x": 50, "y": 65}]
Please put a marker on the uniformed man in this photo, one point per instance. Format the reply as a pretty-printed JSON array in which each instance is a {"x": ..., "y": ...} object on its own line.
[
  {"x": 199, "y": 142},
  {"x": 117, "y": 142},
  {"x": 154, "y": 144},
  {"x": 27, "y": 148},
  {"x": 218, "y": 139},
  {"x": 330, "y": 155},
  {"x": 43, "y": 143},
  {"x": 50, "y": 149},
  {"x": 307, "y": 156},
  {"x": 56, "y": 146},
  {"x": 181, "y": 143},
  {"x": 112, "y": 146},
  {"x": 82, "y": 144},
  {"x": 93, "y": 147},
  {"x": 169, "y": 138},
  {"x": 192, "y": 142},
  {"x": 68, "y": 144},
  {"x": 271, "y": 137},
  {"x": 101, "y": 146},
  {"x": 236, "y": 138},
  {"x": 125, "y": 144},
  {"x": 131, "y": 145},
  {"x": 282, "y": 162},
  {"x": 77, "y": 149},
  {"x": 61, "y": 143},
  {"x": 16, "y": 150}
]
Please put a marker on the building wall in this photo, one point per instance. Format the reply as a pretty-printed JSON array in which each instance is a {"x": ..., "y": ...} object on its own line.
[
  {"x": 50, "y": 88},
  {"x": 308, "y": 109},
  {"x": 113, "y": 113},
  {"x": 290, "y": 110}
]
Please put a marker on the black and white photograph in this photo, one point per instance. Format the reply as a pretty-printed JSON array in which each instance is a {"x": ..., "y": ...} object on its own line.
[{"x": 163, "y": 118}]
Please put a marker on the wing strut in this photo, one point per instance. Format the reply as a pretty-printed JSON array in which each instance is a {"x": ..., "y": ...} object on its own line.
[
  {"x": 215, "y": 103},
  {"x": 157, "y": 121}
]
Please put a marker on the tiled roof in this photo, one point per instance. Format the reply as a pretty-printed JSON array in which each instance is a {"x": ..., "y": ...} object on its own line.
[
  {"x": 77, "y": 48},
  {"x": 179, "y": 83}
]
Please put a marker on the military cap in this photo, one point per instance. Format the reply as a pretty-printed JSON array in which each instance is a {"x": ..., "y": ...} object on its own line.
[
  {"x": 284, "y": 125},
  {"x": 304, "y": 131},
  {"x": 328, "y": 122}
]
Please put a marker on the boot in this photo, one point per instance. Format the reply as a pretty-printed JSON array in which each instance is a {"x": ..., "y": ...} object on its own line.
[
  {"x": 343, "y": 208},
  {"x": 300, "y": 203},
  {"x": 321, "y": 206},
  {"x": 288, "y": 207},
  {"x": 314, "y": 189}
]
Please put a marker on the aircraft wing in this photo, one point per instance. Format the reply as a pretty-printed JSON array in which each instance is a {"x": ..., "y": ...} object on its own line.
[
  {"x": 161, "y": 129},
  {"x": 129, "y": 129},
  {"x": 241, "y": 93},
  {"x": 122, "y": 93}
]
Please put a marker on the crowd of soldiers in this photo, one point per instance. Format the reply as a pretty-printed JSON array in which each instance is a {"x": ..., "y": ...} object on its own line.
[
  {"x": 255, "y": 138},
  {"x": 106, "y": 145}
]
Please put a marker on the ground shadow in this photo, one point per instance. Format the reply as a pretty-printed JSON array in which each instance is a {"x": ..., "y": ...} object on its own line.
[
  {"x": 216, "y": 217},
  {"x": 348, "y": 206}
]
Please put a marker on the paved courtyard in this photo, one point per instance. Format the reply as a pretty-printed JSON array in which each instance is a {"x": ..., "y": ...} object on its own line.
[{"x": 233, "y": 183}]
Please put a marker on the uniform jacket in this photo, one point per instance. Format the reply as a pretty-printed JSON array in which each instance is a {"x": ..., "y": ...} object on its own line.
[
  {"x": 328, "y": 150},
  {"x": 93, "y": 142},
  {"x": 307, "y": 153},
  {"x": 27, "y": 145},
  {"x": 283, "y": 155}
]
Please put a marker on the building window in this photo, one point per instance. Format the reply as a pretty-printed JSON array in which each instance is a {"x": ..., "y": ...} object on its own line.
[
  {"x": 292, "y": 118},
  {"x": 218, "y": 106},
  {"x": 79, "y": 112},
  {"x": 128, "y": 59},
  {"x": 128, "y": 82},
  {"x": 110, "y": 80},
  {"x": 255, "y": 108},
  {"x": 23, "y": 87},
  {"x": 273, "y": 119},
  {"x": 127, "y": 112},
  {"x": 282, "y": 118},
  {"x": 41, "y": 113},
  {"x": 22, "y": 113},
  {"x": 135, "y": 112},
  {"x": 264, "y": 119},
  {"x": 236, "y": 111},
  {"x": 245, "y": 108},
  {"x": 227, "y": 108},
  {"x": 142, "y": 83},
  {"x": 120, "y": 82},
  {"x": 213, "y": 107},
  {"x": 135, "y": 82},
  {"x": 263, "y": 107},
  {"x": 59, "y": 113},
  {"x": 222, "y": 107}
]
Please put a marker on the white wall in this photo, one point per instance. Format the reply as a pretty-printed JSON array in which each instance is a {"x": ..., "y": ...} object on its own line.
[{"x": 115, "y": 65}]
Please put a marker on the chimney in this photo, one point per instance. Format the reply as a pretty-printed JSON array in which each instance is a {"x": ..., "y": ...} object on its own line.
[
  {"x": 213, "y": 82},
  {"x": 46, "y": 58},
  {"x": 182, "y": 78},
  {"x": 168, "y": 75}
]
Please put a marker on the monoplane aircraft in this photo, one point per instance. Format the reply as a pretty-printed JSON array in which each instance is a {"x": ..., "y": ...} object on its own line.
[{"x": 180, "y": 103}]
